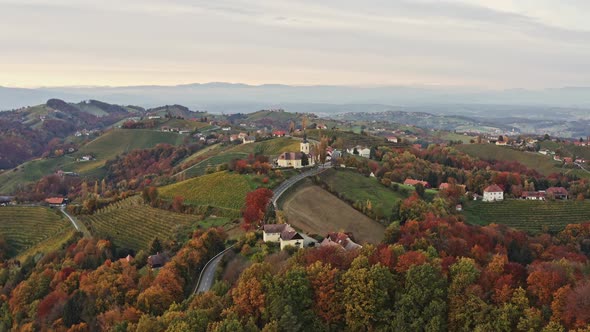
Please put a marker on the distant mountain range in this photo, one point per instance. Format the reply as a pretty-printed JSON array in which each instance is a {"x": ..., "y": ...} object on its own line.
[{"x": 231, "y": 98}]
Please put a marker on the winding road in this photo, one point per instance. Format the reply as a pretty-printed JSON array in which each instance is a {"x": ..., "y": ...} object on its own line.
[
  {"x": 278, "y": 191},
  {"x": 207, "y": 276},
  {"x": 78, "y": 226}
]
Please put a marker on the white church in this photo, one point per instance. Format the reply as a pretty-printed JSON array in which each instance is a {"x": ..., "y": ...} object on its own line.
[{"x": 297, "y": 159}]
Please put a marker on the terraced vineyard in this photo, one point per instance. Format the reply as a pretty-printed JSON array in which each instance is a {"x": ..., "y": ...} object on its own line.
[
  {"x": 132, "y": 224},
  {"x": 201, "y": 168},
  {"x": 270, "y": 147},
  {"x": 529, "y": 216},
  {"x": 26, "y": 227},
  {"x": 223, "y": 190}
]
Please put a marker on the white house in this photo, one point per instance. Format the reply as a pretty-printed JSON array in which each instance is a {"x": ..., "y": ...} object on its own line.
[
  {"x": 493, "y": 193},
  {"x": 283, "y": 234},
  {"x": 152, "y": 117},
  {"x": 362, "y": 152},
  {"x": 249, "y": 139}
]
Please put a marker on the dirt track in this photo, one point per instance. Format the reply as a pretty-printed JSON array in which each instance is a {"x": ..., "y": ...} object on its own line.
[{"x": 314, "y": 210}]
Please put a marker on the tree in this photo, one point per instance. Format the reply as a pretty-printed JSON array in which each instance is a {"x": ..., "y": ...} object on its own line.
[
  {"x": 420, "y": 190},
  {"x": 422, "y": 304},
  {"x": 304, "y": 159},
  {"x": 291, "y": 127},
  {"x": 367, "y": 297},
  {"x": 155, "y": 246},
  {"x": 178, "y": 204},
  {"x": 255, "y": 207}
]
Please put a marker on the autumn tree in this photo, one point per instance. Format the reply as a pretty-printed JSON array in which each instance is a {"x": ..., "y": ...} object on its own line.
[{"x": 255, "y": 207}]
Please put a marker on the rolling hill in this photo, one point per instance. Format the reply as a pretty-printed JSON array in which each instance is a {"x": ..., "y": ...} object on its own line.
[{"x": 223, "y": 191}]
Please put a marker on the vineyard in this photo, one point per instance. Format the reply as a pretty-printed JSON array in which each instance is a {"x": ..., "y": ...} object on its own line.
[
  {"x": 201, "y": 168},
  {"x": 530, "y": 216},
  {"x": 222, "y": 190},
  {"x": 271, "y": 147},
  {"x": 25, "y": 227},
  {"x": 131, "y": 224}
]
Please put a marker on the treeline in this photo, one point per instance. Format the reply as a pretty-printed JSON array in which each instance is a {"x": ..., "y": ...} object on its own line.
[{"x": 84, "y": 288}]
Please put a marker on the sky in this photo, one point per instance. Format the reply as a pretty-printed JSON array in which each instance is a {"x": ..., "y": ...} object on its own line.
[{"x": 496, "y": 44}]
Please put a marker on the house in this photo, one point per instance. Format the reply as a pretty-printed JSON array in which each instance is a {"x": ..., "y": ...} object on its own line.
[
  {"x": 459, "y": 207},
  {"x": 446, "y": 185},
  {"x": 242, "y": 135},
  {"x": 568, "y": 160},
  {"x": 283, "y": 234},
  {"x": 340, "y": 239},
  {"x": 153, "y": 117},
  {"x": 533, "y": 195},
  {"x": 226, "y": 128},
  {"x": 184, "y": 131},
  {"x": 501, "y": 143},
  {"x": 544, "y": 151},
  {"x": 557, "y": 192},
  {"x": 6, "y": 200},
  {"x": 279, "y": 133},
  {"x": 233, "y": 138},
  {"x": 578, "y": 143},
  {"x": 392, "y": 139},
  {"x": 156, "y": 261},
  {"x": 412, "y": 182},
  {"x": 127, "y": 259},
  {"x": 493, "y": 193},
  {"x": 56, "y": 201},
  {"x": 249, "y": 139},
  {"x": 86, "y": 158},
  {"x": 360, "y": 151}
]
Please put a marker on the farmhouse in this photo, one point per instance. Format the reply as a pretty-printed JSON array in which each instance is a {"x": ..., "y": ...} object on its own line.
[
  {"x": 56, "y": 201},
  {"x": 533, "y": 195},
  {"x": 392, "y": 139},
  {"x": 360, "y": 151},
  {"x": 279, "y": 133},
  {"x": 412, "y": 182},
  {"x": 283, "y": 234},
  {"x": 493, "y": 193},
  {"x": 557, "y": 192},
  {"x": 156, "y": 261},
  {"x": 6, "y": 200},
  {"x": 446, "y": 185},
  {"x": 249, "y": 139},
  {"x": 340, "y": 239}
]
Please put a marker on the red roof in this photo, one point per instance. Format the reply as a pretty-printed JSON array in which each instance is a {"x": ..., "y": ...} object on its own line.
[
  {"x": 54, "y": 200},
  {"x": 538, "y": 194},
  {"x": 557, "y": 191},
  {"x": 494, "y": 188},
  {"x": 412, "y": 182}
]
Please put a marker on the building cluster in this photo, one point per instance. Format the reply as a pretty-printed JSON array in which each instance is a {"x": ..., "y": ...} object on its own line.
[{"x": 286, "y": 235}]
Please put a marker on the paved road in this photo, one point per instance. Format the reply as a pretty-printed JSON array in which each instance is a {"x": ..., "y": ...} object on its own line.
[
  {"x": 207, "y": 276},
  {"x": 278, "y": 191},
  {"x": 78, "y": 226}
]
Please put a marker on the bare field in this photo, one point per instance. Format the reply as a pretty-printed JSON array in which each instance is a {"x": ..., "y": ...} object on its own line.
[{"x": 314, "y": 210}]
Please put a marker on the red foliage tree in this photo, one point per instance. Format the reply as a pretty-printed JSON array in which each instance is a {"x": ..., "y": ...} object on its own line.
[{"x": 256, "y": 203}]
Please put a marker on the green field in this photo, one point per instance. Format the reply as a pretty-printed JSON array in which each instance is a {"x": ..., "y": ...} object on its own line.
[
  {"x": 200, "y": 168},
  {"x": 357, "y": 187},
  {"x": 350, "y": 139},
  {"x": 530, "y": 216},
  {"x": 223, "y": 190},
  {"x": 23, "y": 228},
  {"x": 132, "y": 224},
  {"x": 271, "y": 147},
  {"x": 543, "y": 164}
]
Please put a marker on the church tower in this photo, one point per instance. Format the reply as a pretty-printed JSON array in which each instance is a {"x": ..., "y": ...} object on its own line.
[{"x": 304, "y": 146}]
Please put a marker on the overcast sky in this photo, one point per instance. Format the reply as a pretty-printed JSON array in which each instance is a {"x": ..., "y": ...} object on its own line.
[{"x": 492, "y": 44}]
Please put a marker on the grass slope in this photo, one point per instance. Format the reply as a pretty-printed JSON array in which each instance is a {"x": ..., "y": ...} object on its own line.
[
  {"x": 530, "y": 216},
  {"x": 25, "y": 227},
  {"x": 357, "y": 187},
  {"x": 543, "y": 164},
  {"x": 132, "y": 224},
  {"x": 222, "y": 190}
]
